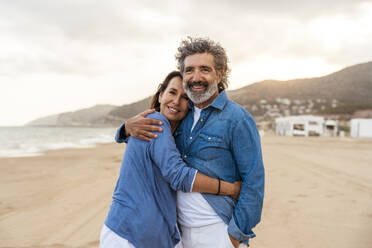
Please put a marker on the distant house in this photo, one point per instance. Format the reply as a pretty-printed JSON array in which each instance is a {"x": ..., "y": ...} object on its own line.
[
  {"x": 302, "y": 125},
  {"x": 361, "y": 128},
  {"x": 330, "y": 128}
]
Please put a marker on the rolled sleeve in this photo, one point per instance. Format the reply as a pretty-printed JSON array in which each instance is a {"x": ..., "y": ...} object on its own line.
[
  {"x": 248, "y": 156},
  {"x": 120, "y": 134},
  {"x": 234, "y": 231}
]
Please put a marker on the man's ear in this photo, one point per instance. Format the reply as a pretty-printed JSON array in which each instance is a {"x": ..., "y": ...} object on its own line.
[{"x": 219, "y": 76}]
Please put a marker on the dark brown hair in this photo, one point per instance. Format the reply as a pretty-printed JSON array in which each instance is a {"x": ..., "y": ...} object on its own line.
[{"x": 161, "y": 88}]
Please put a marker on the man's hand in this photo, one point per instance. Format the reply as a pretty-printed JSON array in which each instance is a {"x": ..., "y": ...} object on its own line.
[
  {"x": 234, "y": 241},
  {"x": 141, "y": 127}
]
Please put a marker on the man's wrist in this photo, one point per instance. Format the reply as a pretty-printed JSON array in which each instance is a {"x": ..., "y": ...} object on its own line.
[
  {"x": 126, "y": 132},
  {"x": 123, "y": 132}
]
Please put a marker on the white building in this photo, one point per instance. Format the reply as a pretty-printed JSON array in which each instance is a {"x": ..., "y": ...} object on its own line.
[
  {"x": 361, "y": 128},
  {"x": 330, "y": 128},
  {"x": 302, "y": 125}
]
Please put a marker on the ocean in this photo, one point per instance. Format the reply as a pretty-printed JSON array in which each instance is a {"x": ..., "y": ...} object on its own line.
[{"x": 33, "y": 141}]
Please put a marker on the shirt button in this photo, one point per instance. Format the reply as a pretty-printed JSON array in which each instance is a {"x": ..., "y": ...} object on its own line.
[
  {"x": 190, "y": 137},
  {"x": 201, "y": 120},
  {"x": 209, "y": 138},
  {"x": 185, "y": 156}
]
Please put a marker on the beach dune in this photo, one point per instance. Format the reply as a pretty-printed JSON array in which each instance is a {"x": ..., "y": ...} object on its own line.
[{"x": 318, "y": 194}]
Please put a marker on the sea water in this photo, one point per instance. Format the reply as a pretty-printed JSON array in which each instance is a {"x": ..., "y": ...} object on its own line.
[{"x": 33, "y": 141}]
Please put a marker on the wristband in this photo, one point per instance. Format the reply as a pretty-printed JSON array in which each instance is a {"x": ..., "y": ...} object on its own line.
[{"x": 219, "y": 187}]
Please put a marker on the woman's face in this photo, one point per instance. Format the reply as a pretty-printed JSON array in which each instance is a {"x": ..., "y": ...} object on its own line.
[{"x": 173, "y": 101}]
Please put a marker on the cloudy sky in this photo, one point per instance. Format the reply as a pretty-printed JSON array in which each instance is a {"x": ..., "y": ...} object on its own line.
[{"x": 64, "y": 55}]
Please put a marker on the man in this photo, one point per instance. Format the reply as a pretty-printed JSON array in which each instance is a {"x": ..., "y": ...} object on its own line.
[{"x": 220, "y": 139}]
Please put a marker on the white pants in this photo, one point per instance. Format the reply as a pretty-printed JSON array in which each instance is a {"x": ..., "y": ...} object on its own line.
[
  {"x": 210, "y": 236},
  {"x": 109, "y": 239}
]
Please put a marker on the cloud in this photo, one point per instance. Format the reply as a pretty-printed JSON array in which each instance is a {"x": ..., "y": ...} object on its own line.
[{"x": 126, "y": 45}]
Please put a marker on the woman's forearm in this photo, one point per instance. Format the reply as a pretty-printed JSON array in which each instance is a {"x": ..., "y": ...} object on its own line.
[{"x": 206, "y": 184}]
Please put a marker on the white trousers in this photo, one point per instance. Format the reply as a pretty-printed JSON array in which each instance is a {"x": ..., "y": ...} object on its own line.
[
  {"x": 210, "y": 236},
  {"x": 109, "y": 239}
]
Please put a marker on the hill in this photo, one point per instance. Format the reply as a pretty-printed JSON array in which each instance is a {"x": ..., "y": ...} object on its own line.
[
  {"x": 340, "y": 93},
  {"x": 85, "y": 117}
]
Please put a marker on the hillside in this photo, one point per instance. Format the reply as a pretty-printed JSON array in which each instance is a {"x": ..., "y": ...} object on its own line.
[
  {"x": 340, "y": 93},
  {"x": 86, "y": 117},
  {"x": 122, "y": 113}
]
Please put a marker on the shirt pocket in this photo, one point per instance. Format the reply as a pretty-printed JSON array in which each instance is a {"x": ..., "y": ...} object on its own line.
[{"x": 211, "y": 147}]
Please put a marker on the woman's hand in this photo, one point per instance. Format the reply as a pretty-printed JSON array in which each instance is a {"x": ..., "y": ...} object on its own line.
[
  {"x": 236, "y": 190},
  {"x": 234, "y": 241},
  {"x": 231, "y": 189}
]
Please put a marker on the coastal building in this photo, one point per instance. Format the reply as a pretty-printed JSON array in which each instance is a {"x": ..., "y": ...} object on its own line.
[
  {"x": 361, "y": 128},
  {"x": 302, "y": 125},
  {"x": 330, "y": 128}
]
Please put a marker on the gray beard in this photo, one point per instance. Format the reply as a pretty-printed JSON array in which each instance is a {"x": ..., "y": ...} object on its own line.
[{"x": 201, "y": 97}]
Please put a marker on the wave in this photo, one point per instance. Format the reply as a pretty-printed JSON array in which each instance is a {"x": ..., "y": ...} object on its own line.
[{"x": 31, "y": 144}]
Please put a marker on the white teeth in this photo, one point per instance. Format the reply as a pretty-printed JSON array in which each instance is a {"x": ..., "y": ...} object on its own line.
[
  {"x": 173, "y": 109},
  {"x": 197, "y": 87}
]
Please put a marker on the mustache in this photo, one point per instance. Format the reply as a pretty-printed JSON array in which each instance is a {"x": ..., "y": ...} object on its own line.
[{"x": 197, "y": 83}]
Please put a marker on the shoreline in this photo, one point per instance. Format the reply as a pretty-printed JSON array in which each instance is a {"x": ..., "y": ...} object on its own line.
[{"x": 47, "y": 150}]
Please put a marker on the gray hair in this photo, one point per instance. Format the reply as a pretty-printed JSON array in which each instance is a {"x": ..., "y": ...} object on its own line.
[{"x": 192, "y": 46}]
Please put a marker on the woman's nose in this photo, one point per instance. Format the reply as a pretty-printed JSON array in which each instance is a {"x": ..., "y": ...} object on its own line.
[{"x": 176, "y": 100}]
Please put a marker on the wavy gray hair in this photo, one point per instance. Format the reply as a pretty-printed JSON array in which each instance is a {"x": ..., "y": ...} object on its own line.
[{"x": 191, "y": 46}]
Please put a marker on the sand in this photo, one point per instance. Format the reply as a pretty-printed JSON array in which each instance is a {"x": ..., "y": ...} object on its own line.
[{"x": 318, "y": 194}]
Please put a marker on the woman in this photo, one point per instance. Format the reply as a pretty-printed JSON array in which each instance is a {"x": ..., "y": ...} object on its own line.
[{"x": 143, "y": 210}]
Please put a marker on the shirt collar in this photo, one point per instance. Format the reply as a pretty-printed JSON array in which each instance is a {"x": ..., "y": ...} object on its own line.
[{"x": 220, "y": 101}]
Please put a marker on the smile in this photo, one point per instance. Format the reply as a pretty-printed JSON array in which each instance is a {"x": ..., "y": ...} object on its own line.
[
  {"x": 173, "y": 110},
  {"x": 198, "y": 88}
]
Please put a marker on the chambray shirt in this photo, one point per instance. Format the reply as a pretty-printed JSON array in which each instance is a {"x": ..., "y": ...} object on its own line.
[
  {"x": 143, "y": 209},
  {"x": 225, "y": 144}
]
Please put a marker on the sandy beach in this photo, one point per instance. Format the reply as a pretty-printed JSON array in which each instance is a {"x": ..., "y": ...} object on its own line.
[{"x": 318, "y": 194}]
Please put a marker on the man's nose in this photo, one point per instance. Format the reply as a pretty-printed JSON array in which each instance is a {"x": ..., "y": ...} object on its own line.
[{"x": 196, "y": 76}]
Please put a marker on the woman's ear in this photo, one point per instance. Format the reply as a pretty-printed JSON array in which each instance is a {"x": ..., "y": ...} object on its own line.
[{"x": 160, "y": 96}]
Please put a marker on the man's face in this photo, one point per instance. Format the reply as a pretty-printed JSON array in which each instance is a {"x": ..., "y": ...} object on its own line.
[{"x": 200, "y": 79}]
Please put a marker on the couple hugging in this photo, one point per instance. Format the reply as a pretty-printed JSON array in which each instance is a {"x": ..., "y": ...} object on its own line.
[{"x": 192, "y": 174}]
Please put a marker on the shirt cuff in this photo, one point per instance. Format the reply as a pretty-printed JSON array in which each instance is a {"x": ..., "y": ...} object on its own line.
[
  {"x": 193, "y": 180},
  {"x": 234, "y": 231},
  {"x": 120, "y": 134}
]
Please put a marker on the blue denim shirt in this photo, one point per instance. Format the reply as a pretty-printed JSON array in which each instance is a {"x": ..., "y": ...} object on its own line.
[
  {"x": 225, "y": 144},
  {"x": 143, "y": 208}
]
